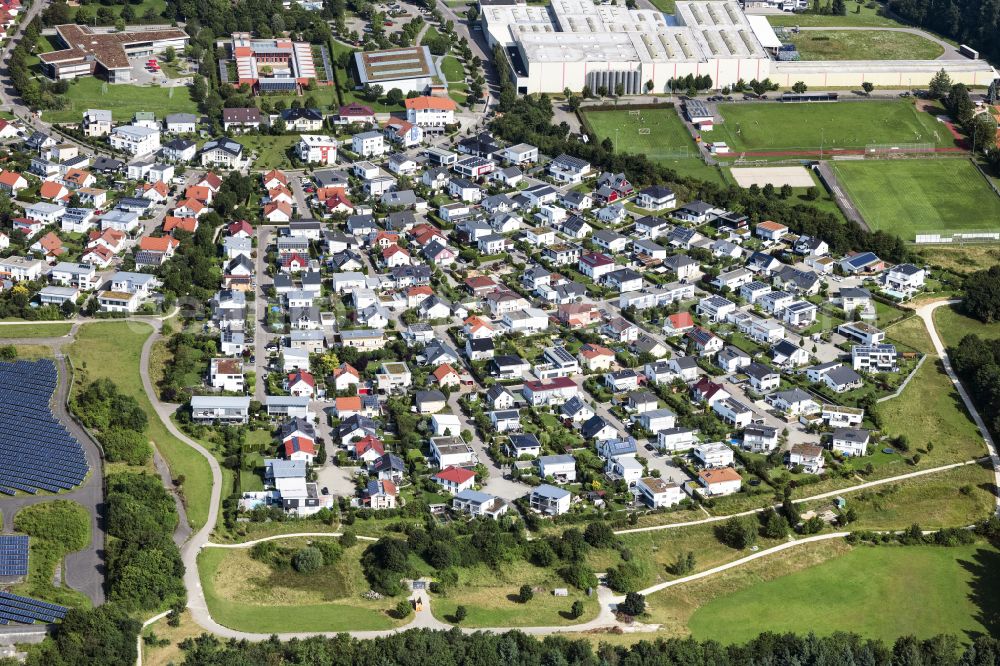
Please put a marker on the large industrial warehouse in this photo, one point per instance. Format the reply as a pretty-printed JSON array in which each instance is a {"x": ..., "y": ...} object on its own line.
[{"x": 573, "y": 43}]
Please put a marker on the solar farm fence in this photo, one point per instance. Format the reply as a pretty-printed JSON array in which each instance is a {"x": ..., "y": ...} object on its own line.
[{"x": 957, "y": 238}]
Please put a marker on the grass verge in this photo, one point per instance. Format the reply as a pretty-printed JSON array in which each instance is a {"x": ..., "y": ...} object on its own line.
[
  {"x": 55, "y": 529},
  {"x": 113, "y": 350}
]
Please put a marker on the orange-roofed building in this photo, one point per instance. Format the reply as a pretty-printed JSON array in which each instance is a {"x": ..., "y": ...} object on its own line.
[
  {"x": 277, "y": 211},
  {"x": 345, "y": 376},
  {"x": 77, "y": 178},
  {"x": 384, "y": 239},
  {"x": 172, "y": 222},
  {"x": 348, "y": 406},
  {"x": 416, "y": 295},
  {"x": 53, "y": 191},
  {"x": 212, "y": 181},
  {"x": 12, "y": 182},
  {"x": 199, "y": 192},
  {"x": 280, "y": 193},
  {"x": 722, "y": 481},
  {"x": 190, "y": 208},
  {"x": 596, "y": 357},
  {"x": 678, "y": 324},
  {"x": 164, "y": 244},
  {"x": 273, "y": 178},
  {"x": 445, "y": 375},
  {"x": 426, "y": 111}
]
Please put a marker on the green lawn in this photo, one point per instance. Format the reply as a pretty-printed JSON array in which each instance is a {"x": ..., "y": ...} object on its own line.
[
  {"x": 55, "y": 529},
  {"x": 113, "y": 350},
  {"x": 866, "y": 17},
  {"x": 930, "y": 410},
  {"x": 907, "y": 197},
  {"x": 452, "y": 69},
  {"x": 865, "y": 45},
  {"x": 271, "y": 150},
  {"x": 668, "y": 141},
  {"x": 54, "y": 329},
  {"x": 878, "y": 592},
  {"x": 912, "y": 333},
  {"x": 952, "y": 326},
  {"x": 763, "y": 127},
  {"x": 123, "y": 100},
  {"x": 248, "y": 595}
]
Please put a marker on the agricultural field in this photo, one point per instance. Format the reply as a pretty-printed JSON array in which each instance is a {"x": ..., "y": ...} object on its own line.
[
  {"x": 834, "y": 125},
  {"x": 909, "y": 197},
  {"x": 250, "y": 595},
  {"x": 876, "y": 591},
  {"x": 667, "y": 141},
  {"x": 865, "y": 45},
  {"x": 123, "y": 100}
]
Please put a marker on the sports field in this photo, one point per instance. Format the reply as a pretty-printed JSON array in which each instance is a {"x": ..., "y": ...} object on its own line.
[
  {"x": 777, "y": 127},
  {"x": 664, "y": 138},
  {"x": 907, "y": 197}
]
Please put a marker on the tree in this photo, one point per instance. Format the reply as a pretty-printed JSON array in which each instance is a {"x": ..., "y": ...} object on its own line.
[
  {"x": 812, "y": 193},
  {"x": 940, "y": 85},
  {"x": 576, "y": 610},
  {"x": 634, "y": 604},
  {"x": 739, "y": 532},
  {"x": 404, "y": 608},
  {"x": 839, "y": 8},
  {"x": 128, "y": 12},
  {"x": 600, "y": 535},
  {"x": 775, "y": 525},
  {"x": 868, "y": 87},
  {"x": 8, "y": 353},
  {"x": 460, "y": 613},
  {"x": 786, "y": 191},
  {"x": 683, "y": 565},
  {"x": 394, "y": 96},
  {"x": 981, "y": 298},
  {"x": 525, "y": 594},
  {"x": 649, "y": 86},
  {"x": 307, "y": 560},
  {"x": 620, "y": 90},
  {"x": 602, "y": 91},
  {"x": 799, "y": 87},
  {"x": 982, "y": 130}
]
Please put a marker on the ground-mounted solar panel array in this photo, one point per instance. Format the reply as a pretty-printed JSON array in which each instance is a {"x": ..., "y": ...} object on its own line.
[
  {"x": 25, "y": 610},
  {"x": 37, "y": 453},
  {"x": 13, "y": 555}
]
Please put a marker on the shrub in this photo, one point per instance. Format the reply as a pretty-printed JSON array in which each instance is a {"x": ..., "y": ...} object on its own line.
[
  {"x": 634, "y": 604},
  {"x": 403, "y": 609},
  {"x": 307, "y": 560},
  {"x": 125, "y": 445},
  {"x": 525, "y": 594}
]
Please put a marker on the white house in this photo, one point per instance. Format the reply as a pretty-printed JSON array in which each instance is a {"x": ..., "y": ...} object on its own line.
[
  {"x": 561, "y": 468},
  {"x": 317, "y": 149},
  {"x": 850, "y": 441},
  {"x": 719, "y": 482},
  {"x": 713, "y": 454},
  {"x": 368, "y": 144},
  {"x": 657, "y": 493},
  {"x": 135, "y": 140}
]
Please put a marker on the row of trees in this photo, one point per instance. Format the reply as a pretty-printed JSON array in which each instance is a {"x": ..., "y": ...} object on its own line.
[
  {"x": 144, "y": 568},
  {"x": 977, "y": 362},
  {"x": 973, "y": 22},
  {"x": 516, "y": 649},
  {"x": 981, "y": 128}
]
